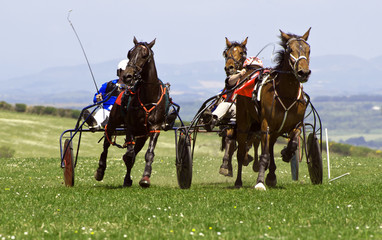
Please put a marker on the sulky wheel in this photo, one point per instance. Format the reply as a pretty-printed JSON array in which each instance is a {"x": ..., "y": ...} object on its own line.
[
  {"x": 295, "y": 165},
  {"x": 69, "y": 164},
  {"x": 184, "y": 162},
  {"x": 315, "y": 159}
]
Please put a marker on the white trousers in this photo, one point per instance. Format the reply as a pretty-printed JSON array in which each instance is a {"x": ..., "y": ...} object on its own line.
[
  {"x": 101, "y": 116},
  {"x": 225, "y": 110}
]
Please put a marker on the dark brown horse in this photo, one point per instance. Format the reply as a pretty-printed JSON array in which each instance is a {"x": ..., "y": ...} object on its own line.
[
  {"x": 145, "y": 113},
  {"x": 281, "y": 108}
]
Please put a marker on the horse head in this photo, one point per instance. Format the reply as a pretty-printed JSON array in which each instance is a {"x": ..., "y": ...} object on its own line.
[
  {"x": 297, "y": 51},
  {"x": 138, "y": 56},
  {"x": 235, "y": 55}
]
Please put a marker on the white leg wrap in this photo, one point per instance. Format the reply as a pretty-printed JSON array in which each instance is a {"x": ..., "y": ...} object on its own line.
[{"x": 260, "y": 186}]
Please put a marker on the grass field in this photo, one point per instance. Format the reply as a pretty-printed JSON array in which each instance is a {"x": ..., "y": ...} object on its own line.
[{"x": 36, "y": 205}]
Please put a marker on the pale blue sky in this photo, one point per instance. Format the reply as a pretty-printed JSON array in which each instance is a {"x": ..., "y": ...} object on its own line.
[{"x": 36, "y": 34}]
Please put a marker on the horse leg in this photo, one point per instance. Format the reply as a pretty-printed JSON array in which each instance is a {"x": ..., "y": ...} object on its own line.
[
  {"x": 264, "y": 157},
  {"x": 149, "y": 157},
  {"x": 256, "y": 165},
  {"x": 271, "y": 179},
  {"x": 114, "y": 121},
  {"x": 288, "y": 152},
  {"x": 241, "y": 153},
  {"x": 230, "y": 146},
  {"x": 100, "y": 172},
  {"x": 129, "y": 159}
]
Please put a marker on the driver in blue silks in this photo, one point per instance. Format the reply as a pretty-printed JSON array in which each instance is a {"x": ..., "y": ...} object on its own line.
[{"x": 101, "y": 116}]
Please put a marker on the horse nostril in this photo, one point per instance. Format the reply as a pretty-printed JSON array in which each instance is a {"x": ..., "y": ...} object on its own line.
[
  {"x": 304, "y": 73},
  {"x": 128, "y": 76}
]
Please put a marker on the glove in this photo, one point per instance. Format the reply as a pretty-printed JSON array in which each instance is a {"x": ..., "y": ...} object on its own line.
[{"x": 99, "y": 97}]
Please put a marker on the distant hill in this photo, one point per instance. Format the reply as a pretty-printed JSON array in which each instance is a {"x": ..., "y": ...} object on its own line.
[{"x": 191, "y": 84}]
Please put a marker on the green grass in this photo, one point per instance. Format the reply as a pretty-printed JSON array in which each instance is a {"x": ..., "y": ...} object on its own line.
[{"x": 35, "y": 204}]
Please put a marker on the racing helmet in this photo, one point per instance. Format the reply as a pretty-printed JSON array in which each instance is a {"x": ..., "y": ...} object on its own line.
[
  {"x": 122, "y": 64},
  {"x": 253, "y": 61}
]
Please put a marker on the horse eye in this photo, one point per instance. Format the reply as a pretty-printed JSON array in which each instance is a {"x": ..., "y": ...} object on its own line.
[{"x": 225, "y": 54}]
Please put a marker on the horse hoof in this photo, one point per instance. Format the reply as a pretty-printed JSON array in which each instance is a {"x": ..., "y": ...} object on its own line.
[
  {"x": 127, "y": 183},
  {"x": 247, "y": 160},
  {"x": 271, "y": 181},
  {"x": 238, "y": 185},
  {"x": 260, "y": 186},
  {"x": 145, "y": 182},
  {"x": 256, "y": 166},
  {"x": 225, "y": 172},
  {"x": 98, "y": 175}
]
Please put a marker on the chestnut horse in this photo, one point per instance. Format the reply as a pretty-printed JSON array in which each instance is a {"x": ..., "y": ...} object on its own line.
[
  {"x": 235, "y": 54},
  {"x": 144, "y": 116},
  {"x": 281, "y": 108}
]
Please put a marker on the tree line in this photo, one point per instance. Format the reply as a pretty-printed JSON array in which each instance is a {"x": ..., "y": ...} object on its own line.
[{"x": 40, "y": 110}]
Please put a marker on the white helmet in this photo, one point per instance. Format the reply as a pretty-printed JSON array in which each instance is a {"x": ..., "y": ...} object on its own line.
[
  {"x": 122, "y": 64},
  {"x": 253, "y": 61}
]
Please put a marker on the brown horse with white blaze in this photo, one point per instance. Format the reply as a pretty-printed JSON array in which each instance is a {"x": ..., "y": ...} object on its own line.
[
  {"x": 234, "y": 54},
  {"x": 281, "y": 108}
]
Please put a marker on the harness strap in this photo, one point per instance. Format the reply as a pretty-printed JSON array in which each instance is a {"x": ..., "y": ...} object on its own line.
[
  {"x": 113, "y": 143},
  {"x": 286, "y": 110},
  {"x": 153, "y": 107}
]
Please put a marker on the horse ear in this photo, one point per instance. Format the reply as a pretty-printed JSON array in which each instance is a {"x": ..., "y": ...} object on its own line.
[
  {"x": 151, "y": 44},
  {"x": 306, "y": 35},
  {"x": 227, "y": 42},
  {"x": 244, "y": 42},
  {"x": 285, "y": 37},
  {"x": 135, "y": 41}
]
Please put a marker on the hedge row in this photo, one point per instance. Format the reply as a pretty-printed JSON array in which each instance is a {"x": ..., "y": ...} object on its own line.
[
  {"x": 40, "y": 110},
  {"x": 350, "y": 150}
]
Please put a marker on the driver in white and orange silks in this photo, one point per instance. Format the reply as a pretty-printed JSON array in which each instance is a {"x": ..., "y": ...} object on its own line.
[{"x": 227, "y": 109}]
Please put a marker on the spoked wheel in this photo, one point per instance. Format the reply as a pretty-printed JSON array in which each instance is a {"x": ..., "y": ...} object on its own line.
[
  {"x": 69, "y": 164},
  {"x": 315, "y": 159},
  {"x": 184, "y": 162}
]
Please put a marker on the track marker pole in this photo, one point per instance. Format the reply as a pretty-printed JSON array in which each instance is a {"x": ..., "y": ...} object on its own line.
[
  {"x": 343, "y": 175},
  {"x": 327, "y": 151}
]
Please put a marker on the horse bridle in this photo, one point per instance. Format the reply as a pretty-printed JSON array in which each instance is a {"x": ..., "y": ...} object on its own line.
[
  {"x": 133, "y": 63},
  {"x": 227, "y": 54},
  {"x": 296, "y": 60}
]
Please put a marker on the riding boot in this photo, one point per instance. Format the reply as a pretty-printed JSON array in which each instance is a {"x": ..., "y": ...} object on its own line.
[
  {"x": 89, "y": 119},
  {"x": 170, "y": 120},
  {"x": 288, "y": 152}
]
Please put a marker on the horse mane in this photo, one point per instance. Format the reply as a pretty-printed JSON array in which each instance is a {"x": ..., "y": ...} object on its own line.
[
  {"x": 235, "y": 44},
  {"x": 280, "y": 55}
]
